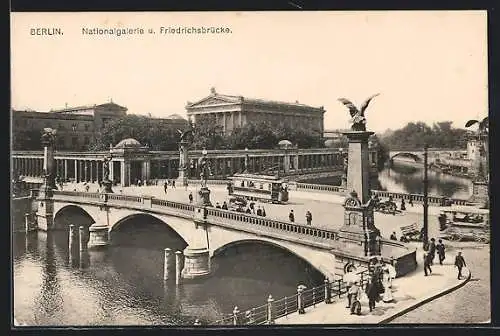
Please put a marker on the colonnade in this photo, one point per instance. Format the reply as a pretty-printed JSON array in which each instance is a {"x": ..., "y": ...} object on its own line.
[{"x": 85, "y": 167}]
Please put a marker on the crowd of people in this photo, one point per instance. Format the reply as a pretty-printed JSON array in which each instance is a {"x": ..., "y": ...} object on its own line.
[{"x": 377, "y": 288}]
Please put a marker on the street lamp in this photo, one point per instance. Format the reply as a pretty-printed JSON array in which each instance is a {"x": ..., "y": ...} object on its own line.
[{"x": 425, "y": 231}]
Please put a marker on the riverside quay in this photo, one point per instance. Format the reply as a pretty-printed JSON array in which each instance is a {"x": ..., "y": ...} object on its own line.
[{"x": 131, "y": 162}]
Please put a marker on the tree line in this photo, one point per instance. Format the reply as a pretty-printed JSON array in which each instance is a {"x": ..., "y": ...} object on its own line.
[{"x": 415, "y": 135}]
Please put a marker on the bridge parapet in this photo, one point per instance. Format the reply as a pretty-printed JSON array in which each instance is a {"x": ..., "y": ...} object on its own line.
[{"x": 434, "y": 200}]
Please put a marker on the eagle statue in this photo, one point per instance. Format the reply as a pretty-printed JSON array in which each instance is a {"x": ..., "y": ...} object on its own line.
[
  {"x": 358, "y": 119},
  {"x": 483, "y": 125}
]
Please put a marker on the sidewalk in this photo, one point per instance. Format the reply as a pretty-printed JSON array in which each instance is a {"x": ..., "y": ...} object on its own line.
[{"x": 409, "y": 292}]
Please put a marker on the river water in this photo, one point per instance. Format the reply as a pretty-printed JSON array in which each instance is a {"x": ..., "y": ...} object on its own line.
[
  {"x": 408, "y": 179},
  {"x": 123, "y": 283}
]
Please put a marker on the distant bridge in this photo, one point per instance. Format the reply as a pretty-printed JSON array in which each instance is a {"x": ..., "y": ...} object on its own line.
[{"x": 433, "y": 154}]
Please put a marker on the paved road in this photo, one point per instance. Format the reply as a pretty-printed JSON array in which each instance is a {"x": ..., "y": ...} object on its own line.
[{"x": 469, "y": 304}]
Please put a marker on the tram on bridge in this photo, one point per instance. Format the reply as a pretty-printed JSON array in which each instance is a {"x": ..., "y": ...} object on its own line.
[{"x": 256, "y": 187}]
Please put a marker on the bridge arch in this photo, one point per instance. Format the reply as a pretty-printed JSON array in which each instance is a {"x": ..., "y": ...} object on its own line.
[
  {"x": 141, "y": 220},
  {"x": 72, "y": 214},
  {"x": 407, "y": 154},
  {"x": 324, "y": 264}
]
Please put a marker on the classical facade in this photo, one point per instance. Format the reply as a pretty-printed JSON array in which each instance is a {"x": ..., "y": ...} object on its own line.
[{"x": 233, "y": 112}]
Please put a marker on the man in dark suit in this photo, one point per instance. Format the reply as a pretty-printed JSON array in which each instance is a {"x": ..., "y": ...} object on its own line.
[
  {"x": 440, "y": 251},
  {"x": 372, "y": 292},
  {"x": 459, "y": 263},
  {"x": 432, "y": 250}
]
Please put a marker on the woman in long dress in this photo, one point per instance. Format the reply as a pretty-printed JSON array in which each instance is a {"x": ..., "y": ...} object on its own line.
[{"x": 386, "y": 282}]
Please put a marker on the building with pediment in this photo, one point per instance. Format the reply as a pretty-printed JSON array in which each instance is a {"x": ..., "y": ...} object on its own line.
[{"x": 232, "y": 112}]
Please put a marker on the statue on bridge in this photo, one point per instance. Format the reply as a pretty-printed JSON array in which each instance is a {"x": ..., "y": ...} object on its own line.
[
  {"x": 48, "y": 141},
  {"x": 205, "y": 171},
  {"x": 358, "y": 119},
  {"x": 105, "y": 174}
]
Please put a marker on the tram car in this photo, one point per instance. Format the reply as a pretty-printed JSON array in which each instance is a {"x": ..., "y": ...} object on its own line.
[{"x": 256, "y": 187}]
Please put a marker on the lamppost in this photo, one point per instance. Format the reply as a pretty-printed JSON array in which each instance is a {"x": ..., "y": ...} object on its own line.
[
  {"x": 246, "y": 160},
  {"x": 425, "y": 231}
]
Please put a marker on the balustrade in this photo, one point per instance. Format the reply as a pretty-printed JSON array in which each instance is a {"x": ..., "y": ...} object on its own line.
[{"x": 304, "y": 298}]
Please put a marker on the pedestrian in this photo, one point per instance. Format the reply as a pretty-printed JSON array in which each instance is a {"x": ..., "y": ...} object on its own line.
[
  {"x": 248, "y": 211},
  {"x": 393, "y": 236},
  {"x": 87, "y": 187},
  {"x": 353, "y": 295},
  {"x": 410, "y": 201},
  {"x": 440, "y": 251},
  {"x": 372, "y": 292},
  {"x": 263, "y": 212},
  {"x": 224, "y": 206},
  {"x": 403, "y": 206},
  {"x": 309, "y": 217},
  {"x": 459, "y": 263},
  {"x": 259, "y": 211},
  {"x": 190, "y": 197},
  {"x": 349, "y": 279},
  {"x": 432, "y": 250},
  {"x": 291, "y": 216},
  {"x": 427, "y": 264},
  {"x": 186, "y": 185},
  {"x": 173, "y": 184},
  {"x": 165, "y": 187},
  {"x": 217, "y": 205},
  {"x": 386, "y": 282}
]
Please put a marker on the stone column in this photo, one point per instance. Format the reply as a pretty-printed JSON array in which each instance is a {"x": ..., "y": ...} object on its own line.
[
  {"x": 358, "y": 170},
  {"x": 122, "y": 174},
  {"x": 85, "y": 170},
  {"x": 183, "y": 163},
  {"x": 75, "y": 166},
  {"x": 65, "y": 176},
  {"x": 168, "y": 264},
  {"x": 111, "y": 171}
]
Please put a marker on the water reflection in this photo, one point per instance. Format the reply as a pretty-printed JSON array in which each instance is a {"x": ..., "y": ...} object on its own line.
[
  {"x": 409, "y": 179},
  {"x": 123, "y": 284},
  {"x": 401, "y": 178}
]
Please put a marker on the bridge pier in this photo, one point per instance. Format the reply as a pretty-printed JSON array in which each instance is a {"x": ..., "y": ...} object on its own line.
[
  {"x": 45, "y": 212},
  {"x": 98, "y": 235},
  {"x": 196, "y": 263}
]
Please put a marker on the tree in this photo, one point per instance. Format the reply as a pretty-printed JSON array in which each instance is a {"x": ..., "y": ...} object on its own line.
[
  {"x": 415, "y": 135},
  {"x": 155, "y": 133}
]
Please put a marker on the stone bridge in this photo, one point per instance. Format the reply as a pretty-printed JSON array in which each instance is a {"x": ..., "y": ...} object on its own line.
[
  {"x": 433, "y": 154},
  {"x": 206, "y": 231}
]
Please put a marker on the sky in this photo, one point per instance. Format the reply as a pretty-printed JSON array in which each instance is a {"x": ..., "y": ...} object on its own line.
[{"x": 427, "y": 66}]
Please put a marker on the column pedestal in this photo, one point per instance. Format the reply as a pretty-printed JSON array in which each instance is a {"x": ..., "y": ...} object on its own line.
[
  {"x": 107, "y": 186},
  {"x": 98, "y": 236},
  {"x": 196, "y": 263},
  {"x": 480, "y": 192}
]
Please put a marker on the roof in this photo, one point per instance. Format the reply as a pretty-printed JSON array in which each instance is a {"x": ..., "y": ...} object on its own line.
[
  {"x": 241, "y": 99},
  {"x": 88, "y": 107},
  {"x": 175, "y": 116},
  {"x": 129, "y": 142}
]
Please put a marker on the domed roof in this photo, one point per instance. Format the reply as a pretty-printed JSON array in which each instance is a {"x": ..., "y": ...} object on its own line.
[
  {"x": 175, "y": 116},
  {"x": 128, "y": 143}
]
